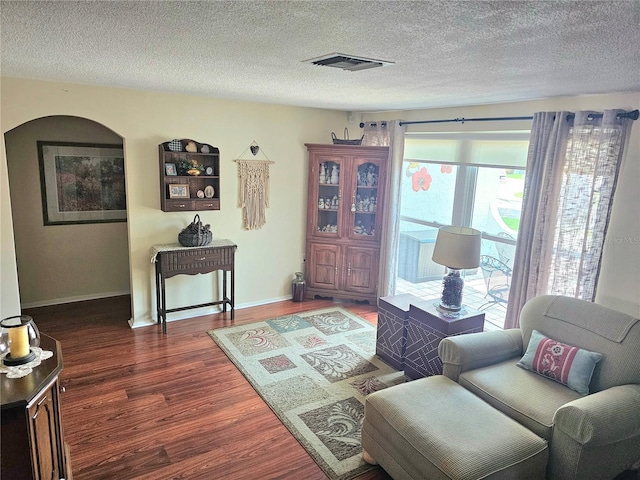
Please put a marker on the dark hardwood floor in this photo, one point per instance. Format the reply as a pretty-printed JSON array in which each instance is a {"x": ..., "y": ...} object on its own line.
[{"x": 143, "y": 405}]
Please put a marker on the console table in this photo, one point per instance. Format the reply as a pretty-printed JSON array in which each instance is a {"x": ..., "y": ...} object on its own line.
[{"x": 174, "y": 259}]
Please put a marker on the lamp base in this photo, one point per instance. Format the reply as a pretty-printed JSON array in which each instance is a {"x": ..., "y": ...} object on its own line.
[
  {"x": 452, "y": 284},
  {"x": 448, "y": 308},
  {"x": 446, "y": 312},
  {"x": 12, "y": 362}
]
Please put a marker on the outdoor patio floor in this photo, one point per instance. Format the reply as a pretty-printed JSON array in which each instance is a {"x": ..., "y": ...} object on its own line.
[{"x": 473, "y": 296}]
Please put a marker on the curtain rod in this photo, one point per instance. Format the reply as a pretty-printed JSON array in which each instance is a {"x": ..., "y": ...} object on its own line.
[{"x": 633, "y": 115}]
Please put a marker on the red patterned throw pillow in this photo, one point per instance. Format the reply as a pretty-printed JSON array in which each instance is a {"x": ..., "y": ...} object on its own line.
[{"x": 566, "y": 364}]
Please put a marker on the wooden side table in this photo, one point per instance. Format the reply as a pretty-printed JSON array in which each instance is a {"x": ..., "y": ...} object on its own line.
[
  {"x": 426, "y": 327},
  {"x": 391, "y": 337},
  {"x": 172, "y": 260},
  {"x": 33, "y": 445}
]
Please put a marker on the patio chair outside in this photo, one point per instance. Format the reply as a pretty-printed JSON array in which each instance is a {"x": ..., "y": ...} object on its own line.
[{"x": 497, "y": 277}]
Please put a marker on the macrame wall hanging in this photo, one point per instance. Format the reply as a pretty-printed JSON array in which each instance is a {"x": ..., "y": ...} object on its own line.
[{"x": 253, "y": 192}]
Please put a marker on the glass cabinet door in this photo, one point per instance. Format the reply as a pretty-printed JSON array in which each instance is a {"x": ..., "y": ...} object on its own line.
[
  {"x": 329, "y": 182},
  {"x": 366, "y": 209}
]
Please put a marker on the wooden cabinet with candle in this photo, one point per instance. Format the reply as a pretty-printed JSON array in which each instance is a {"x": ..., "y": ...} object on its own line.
[{"x": 32, "y": 444}]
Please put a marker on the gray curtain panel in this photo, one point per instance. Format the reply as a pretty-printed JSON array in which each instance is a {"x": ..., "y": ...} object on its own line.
[
  {"x": 391, "y": 134},
  {"x": 572, "y": 170}
]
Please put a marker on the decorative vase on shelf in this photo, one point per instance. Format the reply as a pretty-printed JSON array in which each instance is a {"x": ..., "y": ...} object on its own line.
[{"x": 335, "y": 179}]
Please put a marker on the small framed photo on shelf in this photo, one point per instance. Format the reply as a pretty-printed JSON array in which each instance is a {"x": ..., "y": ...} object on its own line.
[
  {"x": 178, "y": 190},
  {"x": 170, "y": 169}
]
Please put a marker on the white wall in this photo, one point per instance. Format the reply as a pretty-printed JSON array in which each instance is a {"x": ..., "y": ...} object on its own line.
[
  {"x": 9, "y": 297},
  {"x": 61, "y": 263},
  {"x": 619, "y": 283},
  {"x": 266, "y": 258}
]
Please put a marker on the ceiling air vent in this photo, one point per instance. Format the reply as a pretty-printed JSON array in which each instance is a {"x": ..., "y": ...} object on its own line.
[{"x": 347, "y": 62}]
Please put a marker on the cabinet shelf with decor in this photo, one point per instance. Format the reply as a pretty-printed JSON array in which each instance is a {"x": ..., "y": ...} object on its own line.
[
  {"x": 344, "y": 220},
  {"x": 189, "y": 176}
]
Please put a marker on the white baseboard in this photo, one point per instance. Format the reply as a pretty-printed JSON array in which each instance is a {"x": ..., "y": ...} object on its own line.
[
  {"x": 147, "y": 320},
  {"x": 176, "y": 316},
  {"x": 263, "y": 302},
  {"x": 79, "y": 298}
]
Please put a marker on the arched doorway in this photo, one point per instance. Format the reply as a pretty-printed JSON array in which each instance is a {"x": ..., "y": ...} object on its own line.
[{"x": 61, "y": 263}]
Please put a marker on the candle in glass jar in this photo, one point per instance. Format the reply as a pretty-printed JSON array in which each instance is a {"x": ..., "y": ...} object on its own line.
[{"x": 19, "y": 341}]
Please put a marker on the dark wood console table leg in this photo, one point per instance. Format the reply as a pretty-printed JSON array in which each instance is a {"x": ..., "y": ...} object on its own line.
[
  {"x": 161, "y": 299},
  {"x": 224, "y": 291},
  {"x": 233, "y": 293},
  {"x": 163, "y": 302},
  {"x": 158, "y": 306}
]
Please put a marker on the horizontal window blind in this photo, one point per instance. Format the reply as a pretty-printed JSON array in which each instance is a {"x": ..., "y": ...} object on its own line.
[{"x": 478, "y": 148}]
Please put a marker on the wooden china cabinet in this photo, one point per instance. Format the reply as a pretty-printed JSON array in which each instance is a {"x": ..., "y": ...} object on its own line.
[{"x": 345, "y": 205}]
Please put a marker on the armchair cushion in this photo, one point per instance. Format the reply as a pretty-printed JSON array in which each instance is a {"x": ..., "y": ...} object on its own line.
[
  {"x": 527, "y": 397},
  {"x": 566, "y": 364}
]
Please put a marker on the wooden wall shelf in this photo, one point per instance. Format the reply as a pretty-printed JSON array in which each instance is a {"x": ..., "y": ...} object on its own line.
[{"x": 202, "y": 191}]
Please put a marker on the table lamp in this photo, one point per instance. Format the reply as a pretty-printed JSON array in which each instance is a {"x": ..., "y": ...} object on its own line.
[{"x": 457, "y": 248}]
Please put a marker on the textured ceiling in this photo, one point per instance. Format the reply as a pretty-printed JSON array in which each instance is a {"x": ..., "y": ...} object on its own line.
[{"x": 446, "y": 53}]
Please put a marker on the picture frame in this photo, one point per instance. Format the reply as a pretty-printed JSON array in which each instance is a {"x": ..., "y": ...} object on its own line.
[
  {"x": 170, "y": 169},
  {"x": 81, "y": 182},
  {"x": 179, "y": 190}
]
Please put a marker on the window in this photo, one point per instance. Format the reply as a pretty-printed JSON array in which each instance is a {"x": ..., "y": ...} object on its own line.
[
  {"x": 471, "y": 180},
  {"x": 474, "y": 180},
  {"x": 486, "y": 198}
]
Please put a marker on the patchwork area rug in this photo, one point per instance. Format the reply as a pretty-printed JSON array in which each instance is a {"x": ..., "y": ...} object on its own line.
[{"x": 314, "y": 370}]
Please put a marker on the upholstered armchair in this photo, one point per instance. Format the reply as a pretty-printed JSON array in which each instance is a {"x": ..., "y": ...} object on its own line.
[{"x": 590, "y": 418}]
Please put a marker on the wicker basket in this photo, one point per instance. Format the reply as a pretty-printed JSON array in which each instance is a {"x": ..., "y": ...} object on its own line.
[
  {"x": 195, "y": 234},
  {"x": 346, "y": 141}
]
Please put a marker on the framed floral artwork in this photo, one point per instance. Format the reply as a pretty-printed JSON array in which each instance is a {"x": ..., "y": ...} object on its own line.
[{"x": 82, "y": 183}]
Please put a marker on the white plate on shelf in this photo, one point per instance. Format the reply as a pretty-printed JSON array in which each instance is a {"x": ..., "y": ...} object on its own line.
[
  {"x": 209, "y": 191},
  {"x": 200, "y": 194}
]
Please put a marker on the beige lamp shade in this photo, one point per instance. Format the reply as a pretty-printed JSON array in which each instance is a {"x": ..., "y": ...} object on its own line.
[{"x": 458, "y": 247}]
